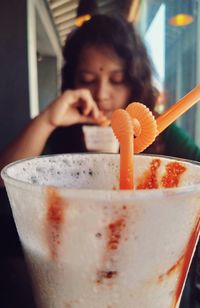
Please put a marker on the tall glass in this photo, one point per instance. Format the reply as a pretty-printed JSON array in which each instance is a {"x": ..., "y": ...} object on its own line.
[{"x": 90, "y": 245}]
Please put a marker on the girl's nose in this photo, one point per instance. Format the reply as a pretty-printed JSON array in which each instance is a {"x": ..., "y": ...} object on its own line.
[{"x": 102, "y": 95}]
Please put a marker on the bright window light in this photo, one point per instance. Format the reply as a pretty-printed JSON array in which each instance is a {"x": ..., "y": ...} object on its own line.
[{"x": 155, "y": 42}]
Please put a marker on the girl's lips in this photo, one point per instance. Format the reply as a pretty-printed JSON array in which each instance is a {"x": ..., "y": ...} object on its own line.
[
  {"x": 105, "y": 118},
  {"x": 108, "y": 113},
  {"x": 103, "y": 122}
]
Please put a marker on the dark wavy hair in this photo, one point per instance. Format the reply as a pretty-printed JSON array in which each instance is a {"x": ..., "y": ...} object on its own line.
[{"x": 121, "y": 36}]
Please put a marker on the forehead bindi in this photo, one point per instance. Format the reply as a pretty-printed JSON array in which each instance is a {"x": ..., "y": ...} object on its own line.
[{"x": 99, "y": 60}]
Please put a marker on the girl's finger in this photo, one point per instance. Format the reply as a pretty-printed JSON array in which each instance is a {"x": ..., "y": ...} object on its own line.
[{"x": 89, "y": 107}]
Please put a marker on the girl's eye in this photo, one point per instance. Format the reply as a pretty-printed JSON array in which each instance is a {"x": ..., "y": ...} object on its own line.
[
  {"x": 87, "y": 81},
  {"x": 117, "y": 81}
]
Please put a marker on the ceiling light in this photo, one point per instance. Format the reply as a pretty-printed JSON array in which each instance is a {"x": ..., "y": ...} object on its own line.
[
  {"x": 85, "y": 10},
  {"x": 182, "y": 14}
]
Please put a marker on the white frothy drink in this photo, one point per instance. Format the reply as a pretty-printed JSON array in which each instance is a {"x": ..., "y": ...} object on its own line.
[{"x": 90, "y": 245}]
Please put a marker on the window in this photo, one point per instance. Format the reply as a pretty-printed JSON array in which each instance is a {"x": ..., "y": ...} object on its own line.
[{"x": 174, "y": 51}]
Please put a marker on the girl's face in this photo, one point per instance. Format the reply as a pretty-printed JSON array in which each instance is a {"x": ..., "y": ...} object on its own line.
[{"x": 102, "y": 72}]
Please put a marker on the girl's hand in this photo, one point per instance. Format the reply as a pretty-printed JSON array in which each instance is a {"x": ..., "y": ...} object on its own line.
[{"x": 73, "y": 107}]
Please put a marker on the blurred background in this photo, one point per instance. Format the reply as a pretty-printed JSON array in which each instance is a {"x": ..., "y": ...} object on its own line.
[{"x": 32, "y": 33}]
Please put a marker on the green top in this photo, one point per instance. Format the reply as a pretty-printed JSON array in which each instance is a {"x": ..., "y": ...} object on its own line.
[{"x": 180, "y": 144}]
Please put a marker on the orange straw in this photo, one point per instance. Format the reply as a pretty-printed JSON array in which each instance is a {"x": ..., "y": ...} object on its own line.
[
  {"x": 178, "y": 109},
  {"x": 123, "y": 129},
  {"x": 144, "y": 136},
  {"x": 136, "y": 114},
  {"x": 135, "y": 129}
]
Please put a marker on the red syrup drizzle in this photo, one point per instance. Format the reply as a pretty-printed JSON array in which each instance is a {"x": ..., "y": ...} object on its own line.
[
  {"x": 171, "y": 179},
  {"x": 149, "y": 179},
  {"x": 182, "y": 264},
  {"x": 186, "y": 261},
  {"x": 172, "y": 269},
  {"x": 55, "y": 220},
  {"x": 174, "y": 170},
  {"x": 114, "y": 236},
  {"x": 114, "y": 233}
]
